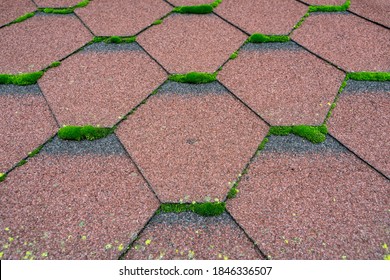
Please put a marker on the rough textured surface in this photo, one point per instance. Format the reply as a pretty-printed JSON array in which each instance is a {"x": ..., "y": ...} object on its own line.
[
  {"x": 12, "y": 9},
  {"x": 346, "y": 40},
  {"x": 197, "y": 42},
  {"x": 188, "y": 236},
  {"x": 56, "y": 3},
  {"x": 100, "y": 84},
  {"x": 313, "y": 205},
  {"x": 376, "y": 10},
  {"x": 262, "y": 16},
  {"x": 56, "y": 210},
  {"x": 361, "y": 121},
  {"x": 35, "y": 43},
  {"x": 325, "y": 2},
  {"x": 26, "y": 123},
  {"x": 190, "y": 142},
  {"x": 283, "y": 83},
  {"x": 122, "y": 17}
]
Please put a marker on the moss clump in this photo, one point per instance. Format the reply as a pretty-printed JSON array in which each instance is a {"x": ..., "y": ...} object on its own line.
[
  {"x": 216, "y": 3},
  {"x": 369, "y": 76},
  {"x": 157, "y": 22},
  {"x": 315, "y": 134},
  {"x": 330, "y": 8},
  {"x": 88, "y": 132},
  {"x": 23, "y": 79},
  {"x": 81, "y": 4},
  {"x": 199, "y": 9},
  {"x": 234, "y": 55},
  {"x": 194, "y": 78},
  {"x": 203, "y": 209},
  {"x": 115, "y": 40},
  {"x": 55, "y": 64},
  {"x": 3, "y": 176},
  {"x": 233, "y": 192},
  {"x": 23, "y": 17},
  {"x": 261, "y": 38}
]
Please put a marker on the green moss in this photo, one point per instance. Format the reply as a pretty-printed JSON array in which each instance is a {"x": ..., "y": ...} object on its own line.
[
  {"x": 330, "y": 8},
  {"x": 81, "y": 4},
  {"x": 232, "y": 193},
  {"x": 301, "y": 21},
  {"x": 55, "y": 64},
  {"x": 262, "y": 144},
  {"x": 23, "y": 17},
  {"x": 21, "y": 79},
  {"x": 115, "y": 39},
  {"x": 157, "y": 22},
  {"x": 369, "y": 76},
  {"x": 78, "y": 133},
  {"x": 22, "y": 162},
  {"x": 315, "y": 134},
  {"x": 199, "y": 9},
  {"x": 35, "y": 152},
  {"x": 234, "y": 55},
  {"x": 203, "y": 209},
  {"x": 280, "y": 130},
  {"x": 194, "y": 78},
  {"x": 3, "y": 176},
  {"x": 216, "y": 3},
  {"x": 261, "y": 38},
  {"x": 333, "y": 105},
  {"x": 57, "y": 11}
]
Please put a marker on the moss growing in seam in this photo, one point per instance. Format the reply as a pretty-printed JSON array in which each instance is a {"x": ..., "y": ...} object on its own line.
[
  {"x": 216, "y": 3},
  {"x": 23, "y": 79},
  {"x": 65, "y": 10},
  {"x": 301, "y": 21},
  {"x": 23, "y": 17},
  {"x": 115, "y": 40},
  {"x": 199, "y": 9},
  {"x": 315, "y": 134},
  {"x": 81, "y": 4},
  {"x": 369, "y": 76},
  {"x": 55, "y": 64},
  {"x": 88, "y": 132},
  {"x": 22, "y": 162},
  {"x": 330, "y": 8},
  {"x": 232, "y": 193},
  {"x": 194, "y": 78},
  {"x": 35, "y": 152},
  {"x": 157, "y": 22},
  {"x": 203, "y": 209},
  {"x": 3, "y": 176},
  {"x": 234, "y": 55},
  {"x": 57, "y": 11},
  {"x": 261, "y": 38}
]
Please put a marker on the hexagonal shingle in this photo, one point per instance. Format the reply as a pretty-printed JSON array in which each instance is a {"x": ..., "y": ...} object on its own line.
[
  {"x": 346, "y": 40},
  {"x": 26, "y": 123},
  {"x": 74, "y": 200},
  {"x": 305, "y": 201},
  {"x": 11, "y": 9},
  {"x": 100, "y": 84},
  {"x": 196, "y": 42},
  {"x": 376, "y": 10},
  {"x": 122, "y": 17},
  {"x": 191, "y": 141},
  {"x": 35, "y": 43},
  {"x": 283, "y": 83},
  {"x": 361, "y": 121},
  {"x": 56, "y": 3},
  {"x": 190, "y": 236},
  {"x": 262, "y": 16}
]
